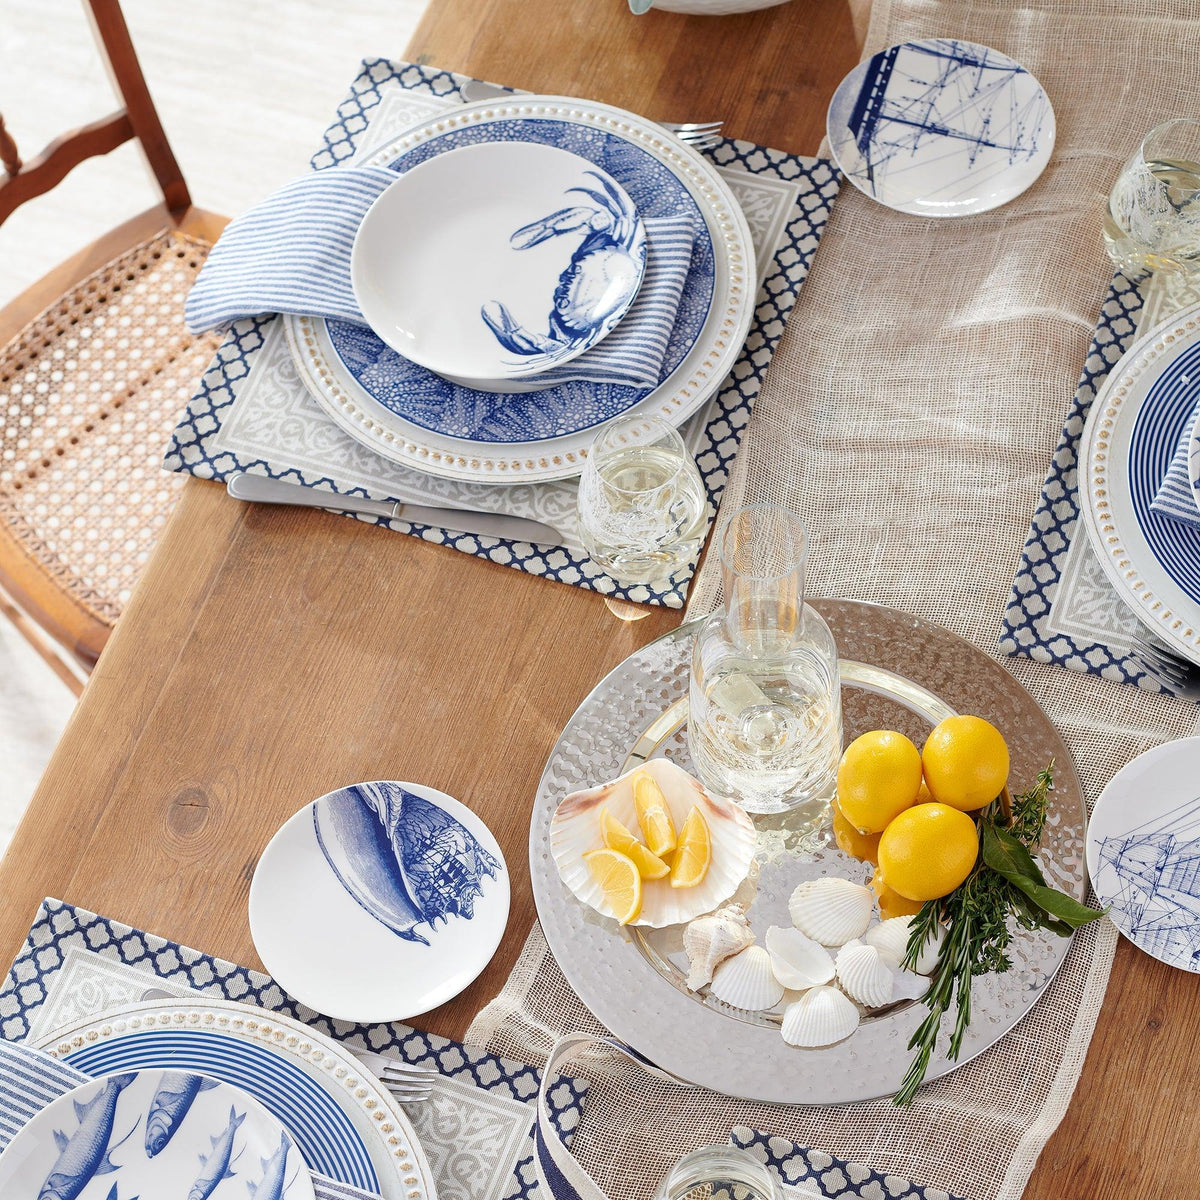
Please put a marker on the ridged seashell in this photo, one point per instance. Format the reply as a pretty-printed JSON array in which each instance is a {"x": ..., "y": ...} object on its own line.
[
  {"x": 865, "y": 975},
  {"x": 831, "y": 911},
  {"x": 890, "y": 938},
  {"x": 575, "y": 829},
  {"x": 798, "y": 961},
  {"x": 820, "y": 1017},
  {"x": 747, "y": 981},
  {"x": 907, "y": 985},
  {"x": 709, "y": 941}
]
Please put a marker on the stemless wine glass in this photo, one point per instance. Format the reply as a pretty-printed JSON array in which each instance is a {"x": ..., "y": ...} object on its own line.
[
  {"x": 717, "y": 1173},
  {"x": 642, "y": 503}
]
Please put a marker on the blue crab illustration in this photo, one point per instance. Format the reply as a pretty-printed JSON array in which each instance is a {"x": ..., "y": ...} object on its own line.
[{"x": 600, "y": 280}]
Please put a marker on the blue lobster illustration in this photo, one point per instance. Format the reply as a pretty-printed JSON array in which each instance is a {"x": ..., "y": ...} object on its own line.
[{"x": 602, "y": 277}]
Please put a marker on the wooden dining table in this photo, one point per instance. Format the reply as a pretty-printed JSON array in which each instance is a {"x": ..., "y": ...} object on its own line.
[{"x": 269, "y": 655}]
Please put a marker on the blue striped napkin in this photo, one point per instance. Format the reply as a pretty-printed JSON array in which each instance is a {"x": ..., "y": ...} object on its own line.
[
  {"x": 1175, "y": 497},
  {"x": 30, "y": 1080},
  {"x": 291, "y": 254}
]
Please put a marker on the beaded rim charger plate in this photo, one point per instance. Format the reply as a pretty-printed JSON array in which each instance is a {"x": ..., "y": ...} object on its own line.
[{"x": 898, "y": 672}]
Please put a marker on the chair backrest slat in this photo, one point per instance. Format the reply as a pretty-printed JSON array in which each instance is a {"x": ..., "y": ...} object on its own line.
[{"x": 10, "y": 160}]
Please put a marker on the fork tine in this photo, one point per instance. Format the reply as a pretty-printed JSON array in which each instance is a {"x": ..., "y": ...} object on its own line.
[{"x": 693, "y": 126}]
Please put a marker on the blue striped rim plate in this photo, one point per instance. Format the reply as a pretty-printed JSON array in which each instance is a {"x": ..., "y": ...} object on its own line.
[
  {"x": 1194, "y": 457},
  {"x": 344, "y": 1121},
  {"x": 1132, "y": 431},
  {"x": 516, "y": 439}
]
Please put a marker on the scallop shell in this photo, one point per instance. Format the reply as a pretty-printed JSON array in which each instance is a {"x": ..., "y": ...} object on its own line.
[
  {"x": 820, "y": 1017},
  {"x": 798, "y": 961},
  {"x": 746, "y": 981},
  {"x": 890, "y": 938},
  {"x": 907, "y": 985},
  {"x": 831, "y": 911},
  {"x": 709, "y": 941},
  {"x": 575, "y": 829},
  {"x": 865, "y": 975}
]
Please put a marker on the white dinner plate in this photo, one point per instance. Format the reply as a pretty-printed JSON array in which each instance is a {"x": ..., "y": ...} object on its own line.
[
  {"x": 379, "y": 901},
  {"x": 1143, "y": 852},
  {"x": 1132, "y": 431},
  {"x": 941, "y": 128},
  {"x": 497, "y": 261},
  {"x": 153, "y": 1133}
]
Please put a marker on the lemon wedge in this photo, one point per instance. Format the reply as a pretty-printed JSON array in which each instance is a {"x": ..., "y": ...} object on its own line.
[
  {"x": 654, "y": 816},
  {"x": 618, "y": 877},
  {"x": 617, "y": 837},
  {"x": 694, "y": 853}
]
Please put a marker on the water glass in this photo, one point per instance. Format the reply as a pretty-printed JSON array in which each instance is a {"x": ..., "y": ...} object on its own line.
[
  {"x": 642, "y": 504},
  {"x": 717, "y": 1173}
]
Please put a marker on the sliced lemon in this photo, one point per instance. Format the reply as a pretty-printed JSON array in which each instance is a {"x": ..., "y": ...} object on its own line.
[
  {"x": 694, "y": 853},
  {"x": 654, "y": 816},
  {"x": 617, "y": 837},
  {"x": 618, "y": 877}
]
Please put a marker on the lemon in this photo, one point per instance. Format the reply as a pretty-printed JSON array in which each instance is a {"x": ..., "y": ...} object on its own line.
[
  {"x": 694, "y": 852},
  {"x": 891, "y": 903},
  {"x": 654, "y": 816},
  {"x": 927, "y": 851},
  {"x": 966, "y": 762},
  {"x": 617, "y": 837},
  {"x": 618, "y": 877},
  {"x": 878, "y": 777},
  {"x": 863, "y": 846}
]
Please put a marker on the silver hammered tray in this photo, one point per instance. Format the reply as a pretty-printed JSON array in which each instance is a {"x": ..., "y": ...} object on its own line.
[{"x": 898, "y": 672}]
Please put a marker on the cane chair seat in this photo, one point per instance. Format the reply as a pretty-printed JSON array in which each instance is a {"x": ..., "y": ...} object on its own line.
[{"x": 89, "y": 392}]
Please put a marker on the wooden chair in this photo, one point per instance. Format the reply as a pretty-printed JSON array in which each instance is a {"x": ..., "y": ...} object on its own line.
[{"x": 95, "y": 367}]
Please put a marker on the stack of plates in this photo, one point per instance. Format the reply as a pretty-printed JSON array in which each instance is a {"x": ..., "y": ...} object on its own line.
[{"x": 446, "y": 380}]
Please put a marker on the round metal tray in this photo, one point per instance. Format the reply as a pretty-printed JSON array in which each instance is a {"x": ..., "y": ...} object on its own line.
[{"x": 898, "y": 672}]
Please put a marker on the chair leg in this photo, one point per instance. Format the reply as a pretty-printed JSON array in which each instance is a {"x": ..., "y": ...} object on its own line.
[{"x": 66, "y": 668}]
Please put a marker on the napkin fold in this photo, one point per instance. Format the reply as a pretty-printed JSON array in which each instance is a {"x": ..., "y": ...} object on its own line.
[
  {"x": 291, "y": 254},
  {"x": 30, "y": 1080},
  {"x": 1175, "y": 497}
]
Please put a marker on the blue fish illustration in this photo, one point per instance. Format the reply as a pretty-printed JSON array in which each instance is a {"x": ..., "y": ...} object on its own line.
[
  {"x": 403, "y": 859},
  {"x": 215, "y": 1167},
  {"x": 176, "y": 1091},
  {"x": 271, "y": 1186},
  {"x": 112, "y": 1195},
  {"x": 86, "y": 1153}
]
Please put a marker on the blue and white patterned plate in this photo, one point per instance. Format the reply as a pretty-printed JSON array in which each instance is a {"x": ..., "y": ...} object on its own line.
[
  {"x": 1133, "y": 429},
  {"x": 379, "y": 901},
  {"x": 1143, "y": 852},
  {"x": 941, "y": 128},
  {"x": 154, "y": 1133}
]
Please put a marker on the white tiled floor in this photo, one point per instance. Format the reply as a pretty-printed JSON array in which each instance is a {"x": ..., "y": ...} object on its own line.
[{"x": 244, "y": 89}]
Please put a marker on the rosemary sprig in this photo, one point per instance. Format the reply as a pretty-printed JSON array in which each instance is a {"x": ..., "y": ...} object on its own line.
[{"x": 1005, "y": 883}]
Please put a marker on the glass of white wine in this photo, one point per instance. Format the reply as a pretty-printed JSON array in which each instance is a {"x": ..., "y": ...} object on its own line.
[{"x": 642, "y": 504}]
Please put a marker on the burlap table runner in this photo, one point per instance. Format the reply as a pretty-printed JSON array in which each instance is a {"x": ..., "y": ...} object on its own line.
[{"x": 910, "y": 415}]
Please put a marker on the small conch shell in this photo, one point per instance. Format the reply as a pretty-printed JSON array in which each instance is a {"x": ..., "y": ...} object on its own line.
[
  {"x": 890, "y": 938},
  {"x": 746, "y": 981},
  {"x": 798, "y": 961},
  {"x": 820, "y": 1017},
  {"x": 709, "y": 941},
  {"x": 865, "y": 975},
  {"x": 831, "y": 911}
]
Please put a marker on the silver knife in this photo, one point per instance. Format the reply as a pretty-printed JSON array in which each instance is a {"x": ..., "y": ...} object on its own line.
[{"x": 258, "y": 489}]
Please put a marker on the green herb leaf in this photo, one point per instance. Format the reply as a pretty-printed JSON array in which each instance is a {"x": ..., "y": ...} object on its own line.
[
  {"x": 1007, "y": 857},
  {"x": 1004, "y": 853}
]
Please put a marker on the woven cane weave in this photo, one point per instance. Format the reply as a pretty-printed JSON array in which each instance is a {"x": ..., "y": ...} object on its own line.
[{"x": 89, "y": 391}]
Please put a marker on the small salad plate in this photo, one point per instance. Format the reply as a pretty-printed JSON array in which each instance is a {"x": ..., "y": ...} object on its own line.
[
  {"x": 941, "y": 128},
  {"x": 153, "y": 1133},
  {"x": 491, "y": 263},
  {"x": 379, "y": 901},
  {"x": 1143, "y": 852}
]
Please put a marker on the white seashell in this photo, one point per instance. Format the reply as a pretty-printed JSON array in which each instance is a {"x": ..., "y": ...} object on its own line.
[
  {"x": 798, "y": 961},
  {"x": 820, "y": 1017},
  {"x": 575, "y": 829},
  {"x": 908, "y": 986},
  {"x": 890, "y": 938},
  {"x": 865, "y": 975},
  {"x": 831, "y": 911},
  {"x": 709, "y": 941},
  {"x": 746, "y": 981}
]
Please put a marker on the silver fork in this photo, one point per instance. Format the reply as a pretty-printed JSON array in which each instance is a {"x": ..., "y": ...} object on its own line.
[
  {"x": 1173, "y": 672},
  {"x": 408, "y": 1083},
  {"x": 700, "y": 135}
]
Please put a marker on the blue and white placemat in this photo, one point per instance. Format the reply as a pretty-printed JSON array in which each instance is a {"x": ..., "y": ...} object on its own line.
[
  {"x": 476, "y": 1130},
  {"x": 252, "y": 413}
]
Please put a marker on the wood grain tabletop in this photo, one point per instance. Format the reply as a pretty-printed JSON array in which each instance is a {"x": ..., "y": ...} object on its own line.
[{"x": 270, "y": 655}]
